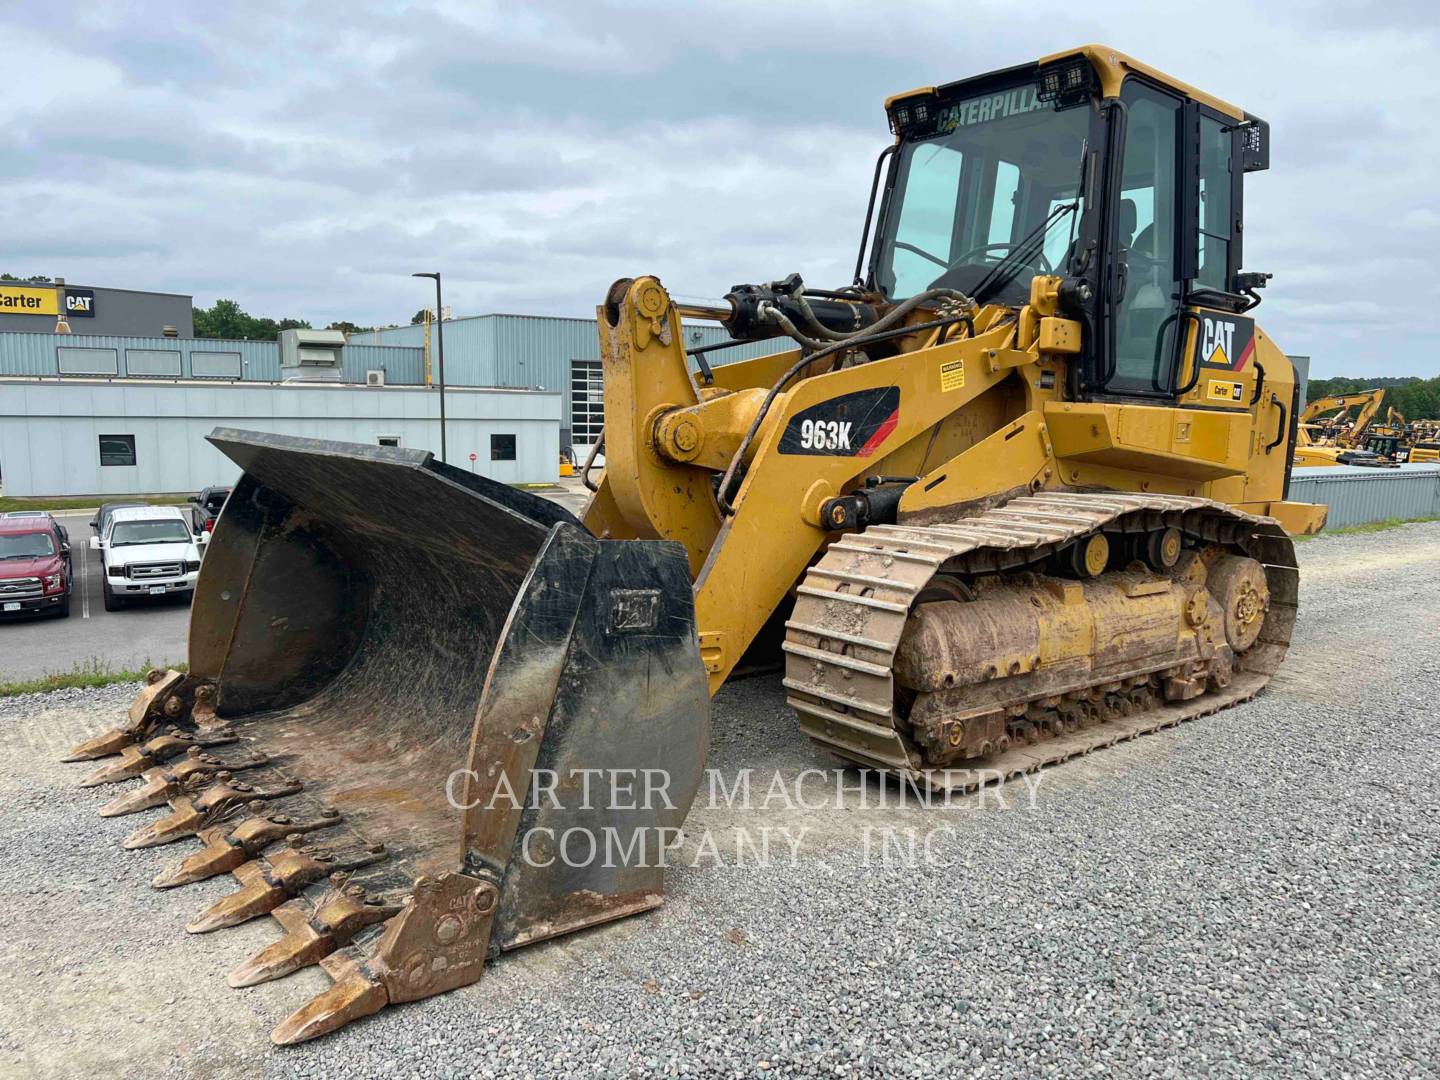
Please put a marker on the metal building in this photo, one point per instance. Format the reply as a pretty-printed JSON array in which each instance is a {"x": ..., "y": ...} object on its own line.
[
  {"x": 133, "y": 436},
  {"x": 37, "y": 308}
]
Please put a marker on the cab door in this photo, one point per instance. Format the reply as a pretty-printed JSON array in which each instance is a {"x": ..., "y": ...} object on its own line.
[{"x": 1145, "y": 287}]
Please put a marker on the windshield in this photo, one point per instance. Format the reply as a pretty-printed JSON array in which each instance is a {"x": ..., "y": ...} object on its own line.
[
  {"x": 26, "y": 545},
  {"x": 164, "y": 531},
  {"x": 1004, "y": 163}
]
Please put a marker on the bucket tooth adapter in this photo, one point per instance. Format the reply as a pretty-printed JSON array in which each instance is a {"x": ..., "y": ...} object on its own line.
[{"x": 1015, "y": 494}]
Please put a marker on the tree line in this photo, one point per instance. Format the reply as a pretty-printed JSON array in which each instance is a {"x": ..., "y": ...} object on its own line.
[
  {"x": 227, "y": 319},
  {"x": 1417, "y": 398}
]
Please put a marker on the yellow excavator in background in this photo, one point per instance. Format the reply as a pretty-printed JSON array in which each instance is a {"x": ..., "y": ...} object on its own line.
[
  {"x": 1328, "y": 435},
  {"x": 1017, "y": 493}
]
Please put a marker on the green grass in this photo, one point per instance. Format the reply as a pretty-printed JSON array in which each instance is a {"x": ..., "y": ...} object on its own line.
[
  {"x": 85, "y": 674},
  {"x": 8, "y": 503},
  {"x": 1368, "y": 527}
]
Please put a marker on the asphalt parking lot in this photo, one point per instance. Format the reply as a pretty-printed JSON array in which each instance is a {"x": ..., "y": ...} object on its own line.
[
  {"x": 1255, "y": 893},
  {"x": 151, "y": 632}
]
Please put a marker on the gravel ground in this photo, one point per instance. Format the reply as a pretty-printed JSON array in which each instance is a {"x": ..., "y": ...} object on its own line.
[{"x": 1257, "y": 893}]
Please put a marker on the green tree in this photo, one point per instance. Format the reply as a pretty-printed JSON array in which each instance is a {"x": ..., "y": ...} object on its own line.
[
  {"x": 38, "y": 279},
  {"x": 227, "y": 319},
  {"x": 347, "y": 327},
  {"x": 421, "y": 316}
]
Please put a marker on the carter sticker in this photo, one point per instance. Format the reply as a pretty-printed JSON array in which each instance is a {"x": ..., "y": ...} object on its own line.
[{"x": 1226, "y": 391}]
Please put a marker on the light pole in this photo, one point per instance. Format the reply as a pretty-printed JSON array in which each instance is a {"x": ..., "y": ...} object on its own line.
[{"x": 440, "y": 337}]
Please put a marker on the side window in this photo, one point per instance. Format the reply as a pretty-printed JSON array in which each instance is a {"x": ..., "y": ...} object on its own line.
[
  {"x": 1005, "y": 204},
  {"x": 927, "y": 218},
  {"x": 1216, "y": 221},
  {"x": 1145, "y": 231}
]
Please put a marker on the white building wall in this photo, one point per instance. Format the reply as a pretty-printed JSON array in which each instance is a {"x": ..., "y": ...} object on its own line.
[{"x": 49, "y": 431}]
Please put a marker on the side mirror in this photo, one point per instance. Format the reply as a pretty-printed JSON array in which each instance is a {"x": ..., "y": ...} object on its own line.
[
  {"x": 95, "y": 524},
  {"x": 94, "y": 543},
  {"x": 193, "y": 498}
]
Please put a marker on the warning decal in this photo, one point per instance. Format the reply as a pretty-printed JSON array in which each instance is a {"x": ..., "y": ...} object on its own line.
[{"x": 952, "y": 375}]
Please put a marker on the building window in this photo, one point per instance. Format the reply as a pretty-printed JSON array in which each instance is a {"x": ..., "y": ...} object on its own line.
[
  {"x": 152, "y": 362},
  {"x": 587, "y": 402},
  {"x": 502, "y": 447},
  {"x": 388, "y": 440},
  {"x": 214, "y": 365},
  {"x": 76, "y": 361},
  {"x": 117, "y": 449}
]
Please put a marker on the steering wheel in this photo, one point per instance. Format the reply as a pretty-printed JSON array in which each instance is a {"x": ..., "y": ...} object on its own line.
[
  {"x": 1043, "y": 263},
  {"x": 922, "y": 253}
]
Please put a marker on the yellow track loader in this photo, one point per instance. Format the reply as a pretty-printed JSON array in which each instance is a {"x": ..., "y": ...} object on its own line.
[{"x": 1017, "y": 492}]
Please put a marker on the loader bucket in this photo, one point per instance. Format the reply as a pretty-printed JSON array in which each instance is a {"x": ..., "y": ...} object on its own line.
[{"x": 413, "y": 697}]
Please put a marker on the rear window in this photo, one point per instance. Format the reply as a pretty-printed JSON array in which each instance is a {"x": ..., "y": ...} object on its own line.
[
  {"x": 26, "y": 545},
  {"x": 216, "y": 502},
  {"x": 1427, "y": 446}
]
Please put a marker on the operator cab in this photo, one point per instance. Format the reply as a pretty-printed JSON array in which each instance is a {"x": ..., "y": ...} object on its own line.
[{"x": 1091, "y": 166}]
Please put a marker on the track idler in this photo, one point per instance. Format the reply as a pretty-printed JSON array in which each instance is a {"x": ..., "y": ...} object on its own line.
[{"x": 409, "y": 689}]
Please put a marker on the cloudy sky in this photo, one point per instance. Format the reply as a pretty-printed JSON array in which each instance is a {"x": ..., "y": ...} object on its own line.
[{"x": 305, "y": 158}]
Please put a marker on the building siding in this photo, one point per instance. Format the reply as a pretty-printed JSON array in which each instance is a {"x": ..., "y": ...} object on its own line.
[
  {"x": 49, "y": 431},
  {"x": 36, "y": 355}
]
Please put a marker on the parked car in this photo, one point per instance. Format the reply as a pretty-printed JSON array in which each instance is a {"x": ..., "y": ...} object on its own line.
[
  {"x": 147, "y": 551},
  {"x": 60, "y": 531},
  {"x": 206, "y": 509},
  {"x": 101, "y": 521},
  {"x": 34, "y": 566}
]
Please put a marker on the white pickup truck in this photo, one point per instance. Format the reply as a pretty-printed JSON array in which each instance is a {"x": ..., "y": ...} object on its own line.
[{"x": 147, "y": 551}]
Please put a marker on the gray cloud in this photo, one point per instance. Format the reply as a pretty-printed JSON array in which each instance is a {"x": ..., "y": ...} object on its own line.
[{"x": 304, "y": 158}]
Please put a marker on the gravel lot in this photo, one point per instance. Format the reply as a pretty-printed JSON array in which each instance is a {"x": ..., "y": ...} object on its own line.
[{"x": 1257, "y": 893}]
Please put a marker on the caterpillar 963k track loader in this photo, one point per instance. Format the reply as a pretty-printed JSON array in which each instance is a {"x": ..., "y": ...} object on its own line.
[{"x": 1017, "y": 493}]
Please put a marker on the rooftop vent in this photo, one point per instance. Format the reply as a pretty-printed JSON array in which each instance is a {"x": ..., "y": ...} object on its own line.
[{"x": 311, "y": 355}]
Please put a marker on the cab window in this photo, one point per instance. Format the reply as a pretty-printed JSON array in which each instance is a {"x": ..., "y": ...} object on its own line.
[{"x": 1216, "y": 182}]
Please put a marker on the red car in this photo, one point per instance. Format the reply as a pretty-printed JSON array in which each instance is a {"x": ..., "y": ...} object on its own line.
[{"x": 34, "y": 567}]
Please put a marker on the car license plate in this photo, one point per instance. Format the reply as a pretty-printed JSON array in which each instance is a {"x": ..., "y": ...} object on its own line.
[
  {"x": 157, "y": 590},
  {"x": 12, "y": 607}
]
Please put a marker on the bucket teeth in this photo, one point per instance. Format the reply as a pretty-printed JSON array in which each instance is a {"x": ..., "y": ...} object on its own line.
[
  {"x": 342, "y": 912},
  {"x": 106, "y": 744},
  {"x": 162, "y": 783},
  {"x": 354, "y": 995},
  {"x": 134, "y": 760},
  {"x": 192, "y": 813},
  {"x": 227, "y": 847},
  {"x": 268, "y": 881},
  {"x": 150, "y": 708}
]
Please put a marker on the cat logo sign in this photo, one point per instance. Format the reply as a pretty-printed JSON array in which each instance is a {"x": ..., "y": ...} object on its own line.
[
  {"x": 29, "y": 300},
  {"x": 1225, "y": 341}
]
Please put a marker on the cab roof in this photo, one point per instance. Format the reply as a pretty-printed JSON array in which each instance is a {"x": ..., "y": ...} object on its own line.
[
  {"x": 24, "y": 525},
  {"x": 146, "y": 513},
  {"x": 1111, "y": 65}
]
